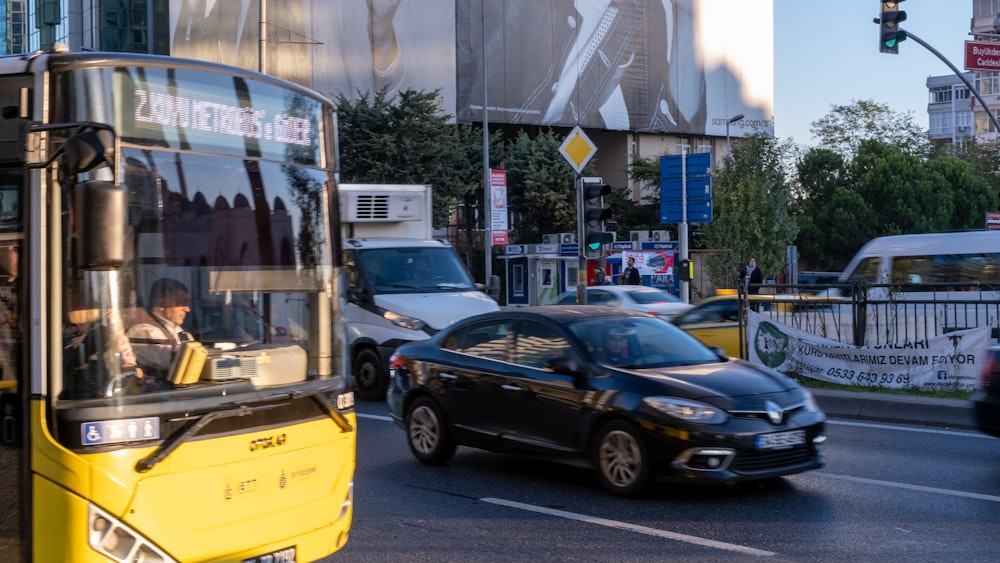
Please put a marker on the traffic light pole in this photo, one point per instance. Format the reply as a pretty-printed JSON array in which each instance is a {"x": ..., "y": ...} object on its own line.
[
  {"x": 959, "y": 74},
  {"x": 682, "y": 229},
  {"x": 581, "y": 241}
]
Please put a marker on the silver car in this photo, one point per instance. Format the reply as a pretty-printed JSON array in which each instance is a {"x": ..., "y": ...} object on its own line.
[{"x": 636, "y": 297}]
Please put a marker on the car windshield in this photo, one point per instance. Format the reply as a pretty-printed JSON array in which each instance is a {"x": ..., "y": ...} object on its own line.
[
  {"x": 640, "y": 343},
  {"x": 653, "y": 296}
]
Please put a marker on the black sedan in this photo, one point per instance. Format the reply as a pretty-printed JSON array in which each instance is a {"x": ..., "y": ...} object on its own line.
[
  {"x": 986, "y": 399},
  {"x": 632, "y": 396}
]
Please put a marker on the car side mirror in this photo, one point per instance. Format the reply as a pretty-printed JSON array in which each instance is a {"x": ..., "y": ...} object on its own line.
[
  {"x": 357, "y": 295},
  {"x": 719, "y": 352}
]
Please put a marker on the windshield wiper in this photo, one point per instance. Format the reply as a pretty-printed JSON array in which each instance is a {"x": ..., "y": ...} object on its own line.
[{"x": 172, "y": 443}]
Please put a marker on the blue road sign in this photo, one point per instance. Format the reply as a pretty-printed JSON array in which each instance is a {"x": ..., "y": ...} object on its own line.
[
  {"x": 697, "y": 212},
  {"x": 674, "y": 172},
  {"x": 697, "y": 164},
  {"x": 699, "y": 187}
]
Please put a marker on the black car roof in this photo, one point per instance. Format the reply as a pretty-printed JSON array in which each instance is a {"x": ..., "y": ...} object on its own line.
[{"x": 563, "y": 313}]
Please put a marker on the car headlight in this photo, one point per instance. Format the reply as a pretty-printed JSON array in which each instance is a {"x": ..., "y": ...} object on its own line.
[
  {"x": 810, "y": 402},
  {"x": 689, "y": 411},
  {"x": 403, "y": 320}
]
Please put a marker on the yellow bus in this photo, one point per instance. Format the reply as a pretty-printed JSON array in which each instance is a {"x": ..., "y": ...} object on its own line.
[{"x": 171, "y": 315}]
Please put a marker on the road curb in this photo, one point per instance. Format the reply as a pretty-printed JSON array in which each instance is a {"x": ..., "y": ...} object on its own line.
[{"x": 882, "y": 407}]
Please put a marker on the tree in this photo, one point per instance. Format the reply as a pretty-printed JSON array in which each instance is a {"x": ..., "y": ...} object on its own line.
[
  {"x": 883, "y": 190},
  {"x": 833, "y": 219},
  {"x": 404, "y": 139},
  {"x": 846, "y": 126},
  {"x": 540, "y": 187},
  {"x": 751, "y": 198}
]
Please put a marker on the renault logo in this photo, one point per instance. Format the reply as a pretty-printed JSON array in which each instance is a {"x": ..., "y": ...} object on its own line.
[{"x": 774, "y": 412}]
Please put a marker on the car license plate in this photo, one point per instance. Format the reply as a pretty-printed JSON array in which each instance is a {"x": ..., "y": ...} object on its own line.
[
  {"x": 283, "y": 555},
  {"x": 780, "y": 440}
]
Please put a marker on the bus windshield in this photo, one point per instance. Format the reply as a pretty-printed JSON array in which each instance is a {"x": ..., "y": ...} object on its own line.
[{"x": 225, "y": 286}]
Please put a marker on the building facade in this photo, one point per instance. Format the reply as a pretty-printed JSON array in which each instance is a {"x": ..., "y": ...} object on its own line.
[
  {"x": 949, "y": 109},
  {"x": 643, "y": 77}
]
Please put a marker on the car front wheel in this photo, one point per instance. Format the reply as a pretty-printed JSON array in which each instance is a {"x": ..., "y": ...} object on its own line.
[
  {"x": 622, "y": 459},
  {"x": 427, "y": 434}
]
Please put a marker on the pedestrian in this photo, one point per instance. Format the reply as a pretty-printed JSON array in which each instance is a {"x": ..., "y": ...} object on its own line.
[
  {"x": 751, "y": 277},
  {"x": 630, "y": 274},
  {"x": 598, "y": 275}
]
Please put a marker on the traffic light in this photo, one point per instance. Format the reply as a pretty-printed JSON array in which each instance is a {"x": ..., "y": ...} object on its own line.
[
  {"x": 592, "y": 214},
  {"x": 890, "y": 35},
  {"x": 685, "y": 270}
]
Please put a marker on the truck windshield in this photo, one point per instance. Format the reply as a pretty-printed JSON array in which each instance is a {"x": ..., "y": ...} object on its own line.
[{"x": 427, "y": 269}]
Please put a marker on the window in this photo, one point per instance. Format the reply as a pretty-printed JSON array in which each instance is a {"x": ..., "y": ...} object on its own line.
[
  {"x": 940, "y": 95},
  {"x": 538, "y": 345},
  {"x": 598, "y": 297},
  {"x": 487, "y": 340},
  {"x": 517, "y": 281},
  {"x": 866, "y": 270},
  {"x": 988, "y": 83},
  {"x": 947, "y": 268}
]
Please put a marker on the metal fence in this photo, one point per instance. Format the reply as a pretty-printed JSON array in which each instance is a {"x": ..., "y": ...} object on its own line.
[{"x": 878, "y": 314}]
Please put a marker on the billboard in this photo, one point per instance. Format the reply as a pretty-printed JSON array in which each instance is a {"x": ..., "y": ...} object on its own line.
[
  {"x": 660, "y": 66},
  {"x": 656, "y": 66},
  {"x": 348, "y": 47}
]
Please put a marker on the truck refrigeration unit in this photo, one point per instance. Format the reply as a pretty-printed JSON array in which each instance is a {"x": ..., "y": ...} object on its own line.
[{"x": 403, "y": 284}]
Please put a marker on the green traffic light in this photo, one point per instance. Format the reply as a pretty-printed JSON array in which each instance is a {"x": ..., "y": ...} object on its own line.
[{"x": 892, "y": 39}]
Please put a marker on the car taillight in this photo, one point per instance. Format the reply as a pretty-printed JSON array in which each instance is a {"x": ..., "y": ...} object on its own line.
[
  {"x": 989, "y": 364},
  {"x": 395, "y": 363}
]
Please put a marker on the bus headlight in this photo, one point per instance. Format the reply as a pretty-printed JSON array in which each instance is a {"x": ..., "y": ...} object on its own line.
[{"x": 115, "y": 540}]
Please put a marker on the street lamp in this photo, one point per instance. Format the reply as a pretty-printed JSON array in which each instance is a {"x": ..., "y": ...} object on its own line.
[{"x": 733, "y": 119}]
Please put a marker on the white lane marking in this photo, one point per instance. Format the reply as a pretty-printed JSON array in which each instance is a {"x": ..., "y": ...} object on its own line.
[
  {"x": 966, "y": 434},
  {"x": 921, "y": 488},
  {"x": 632, "y": 528},
  {"x": 373, "y": 416}
]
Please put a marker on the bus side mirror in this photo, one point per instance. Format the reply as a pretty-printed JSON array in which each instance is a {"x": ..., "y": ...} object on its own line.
[
  {"x": 90, "y": 149},
  {"x": 100, "y": 225}
]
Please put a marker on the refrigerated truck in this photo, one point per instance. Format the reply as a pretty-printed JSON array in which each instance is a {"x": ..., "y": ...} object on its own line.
[{"x": 402, "y": 284}]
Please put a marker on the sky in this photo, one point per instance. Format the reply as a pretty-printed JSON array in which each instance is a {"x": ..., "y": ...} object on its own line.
[{"x": 826, "y": 53}]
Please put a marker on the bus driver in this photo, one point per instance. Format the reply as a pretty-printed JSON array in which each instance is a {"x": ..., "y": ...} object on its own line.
[{"x": 158, "y": 334}]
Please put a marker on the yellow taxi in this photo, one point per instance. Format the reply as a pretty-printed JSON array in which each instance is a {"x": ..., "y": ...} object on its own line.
[{"x": 716, "y": 320}]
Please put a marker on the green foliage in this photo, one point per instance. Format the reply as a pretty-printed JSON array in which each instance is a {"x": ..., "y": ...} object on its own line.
[
  {"x": 846, "y": 126},
  {"x": 751, "y": 201},
  {"x": 832, "y": 218},
  {"x": 541, "y": 193},
  {"x": 884, "y": 190},
  {"x": 406, "y": 139}
]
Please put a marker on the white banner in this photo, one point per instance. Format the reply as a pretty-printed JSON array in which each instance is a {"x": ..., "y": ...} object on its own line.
[{"x": 949, "y": 361}]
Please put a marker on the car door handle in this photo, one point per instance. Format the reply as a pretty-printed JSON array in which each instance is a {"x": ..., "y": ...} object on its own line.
[
  {"x": 446, "y": 375},
  {"x": 511, "y": 387}
]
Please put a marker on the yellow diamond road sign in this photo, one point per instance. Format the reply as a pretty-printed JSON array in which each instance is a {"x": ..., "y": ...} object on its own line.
[{"x": 578, "y": 149}]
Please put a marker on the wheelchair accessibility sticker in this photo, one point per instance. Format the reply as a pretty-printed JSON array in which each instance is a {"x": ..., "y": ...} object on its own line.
[{"x": 120, "y": 431}]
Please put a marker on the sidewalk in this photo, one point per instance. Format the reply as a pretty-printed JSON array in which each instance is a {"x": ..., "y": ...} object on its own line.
[{"x": 883, "y": 407}]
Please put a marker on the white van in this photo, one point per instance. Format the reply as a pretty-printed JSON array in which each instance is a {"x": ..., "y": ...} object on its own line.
[
  {"x": 959, "y": 258},
  {"x": 936, "y": 283}
]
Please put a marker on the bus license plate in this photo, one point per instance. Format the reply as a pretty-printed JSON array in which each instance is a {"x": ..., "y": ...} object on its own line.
[
  {"x": 780, "y": 440},
  {"x": 284, "y": 555}
]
